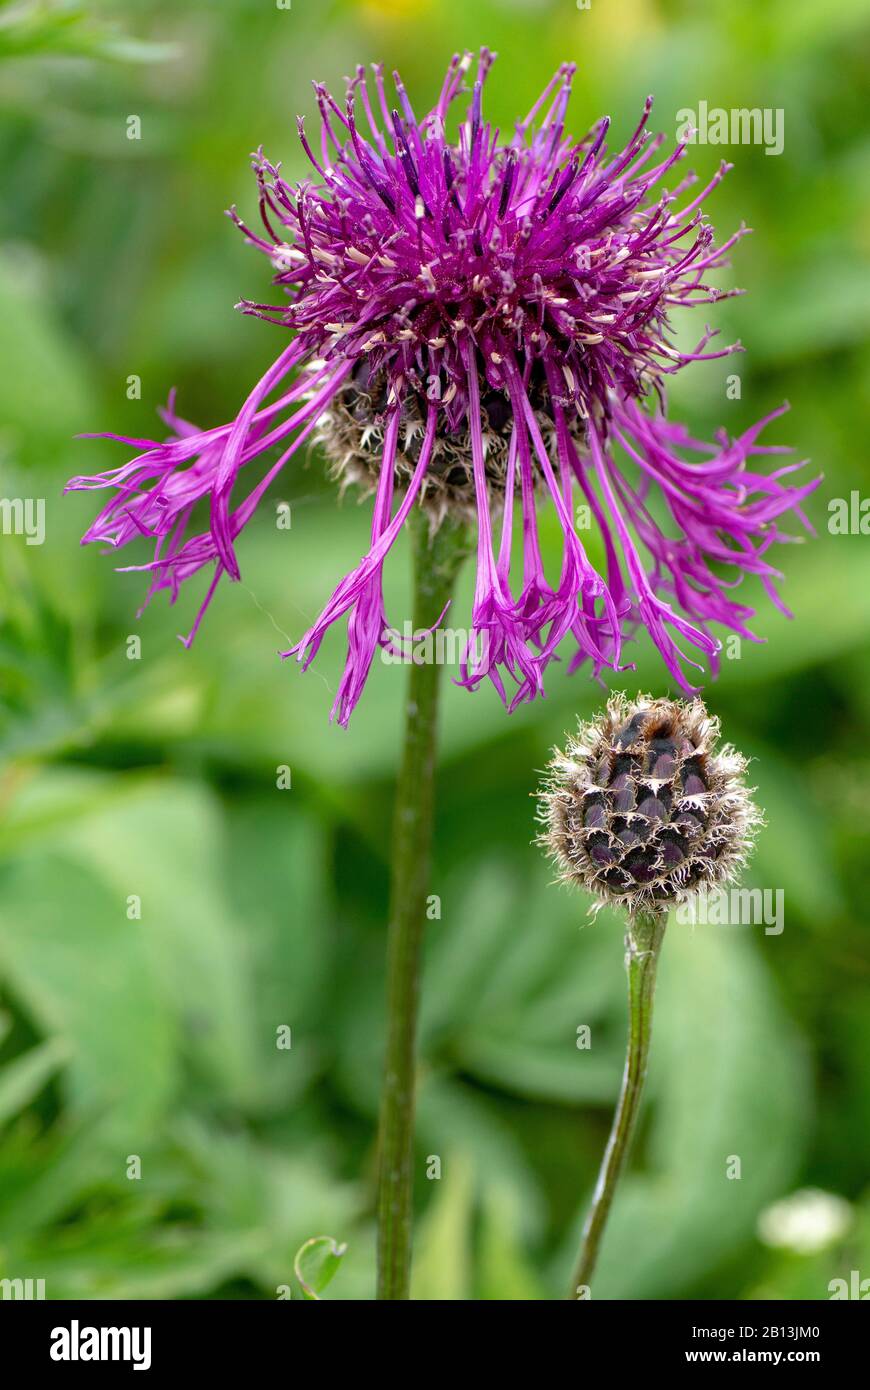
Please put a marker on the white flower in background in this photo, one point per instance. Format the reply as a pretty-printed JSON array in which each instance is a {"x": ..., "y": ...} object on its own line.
[{"x": 805, "y": 1222}]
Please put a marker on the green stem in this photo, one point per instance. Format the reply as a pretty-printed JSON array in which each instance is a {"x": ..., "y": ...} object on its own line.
[
  {"x": 436, "y": 563},
  {"x": 643, "y": 940}
]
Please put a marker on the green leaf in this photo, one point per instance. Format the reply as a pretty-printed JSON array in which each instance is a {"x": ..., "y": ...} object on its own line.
[
  {"x": 455, "y": 1117},
  {"x": 442, "y": 1264},
  {"x": 316, "y": 1264},
  {"x": 273, "y": 855},
  {"x": 84, "y": 972},
  {"x": 22, "y": 1079},
  {"x": 516, "y": 969},
  {"x": 34, "y": 348},
  {"x": 55, "y": 28},
  {"x": 160, "y": 841},
  {"x": 503, "y": 1270}
]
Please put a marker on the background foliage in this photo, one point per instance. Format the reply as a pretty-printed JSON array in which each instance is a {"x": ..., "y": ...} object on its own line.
[{"x": 263, "y": 908}]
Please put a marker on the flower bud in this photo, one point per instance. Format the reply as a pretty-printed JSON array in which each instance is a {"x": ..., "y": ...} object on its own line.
[{"x": 644, "y": 807}]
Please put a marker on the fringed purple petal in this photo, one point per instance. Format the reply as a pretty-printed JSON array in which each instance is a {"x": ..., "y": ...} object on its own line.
[{"x": 360, "y": 592}]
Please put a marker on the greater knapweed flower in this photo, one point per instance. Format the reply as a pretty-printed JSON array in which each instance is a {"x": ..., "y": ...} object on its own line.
[
  {"x": 644, "y": 808},
  {"x": 479, "y": 326}
]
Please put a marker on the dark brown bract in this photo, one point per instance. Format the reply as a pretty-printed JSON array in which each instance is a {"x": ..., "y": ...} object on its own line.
[{"x": 351, "y": 434}]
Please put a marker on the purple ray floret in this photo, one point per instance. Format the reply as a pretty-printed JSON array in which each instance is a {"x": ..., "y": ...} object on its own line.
[{"x": 483, "y": 292}]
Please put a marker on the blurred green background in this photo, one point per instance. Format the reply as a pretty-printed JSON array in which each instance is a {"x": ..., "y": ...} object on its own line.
[{"x": 263, "y": 907}]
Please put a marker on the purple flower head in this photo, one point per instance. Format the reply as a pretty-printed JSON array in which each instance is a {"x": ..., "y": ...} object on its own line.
[{"x": 479, "y": 327}]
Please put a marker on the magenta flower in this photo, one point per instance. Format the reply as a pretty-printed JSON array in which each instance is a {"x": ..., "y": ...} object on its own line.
[{"x": 480, "y": 327}]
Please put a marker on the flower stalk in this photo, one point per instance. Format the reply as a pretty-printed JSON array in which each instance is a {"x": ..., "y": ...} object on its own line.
[
  {"x": 643, "y": 940},
  {"x": 436, "y": 563},
  {"x": 643, "y": 808}
]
